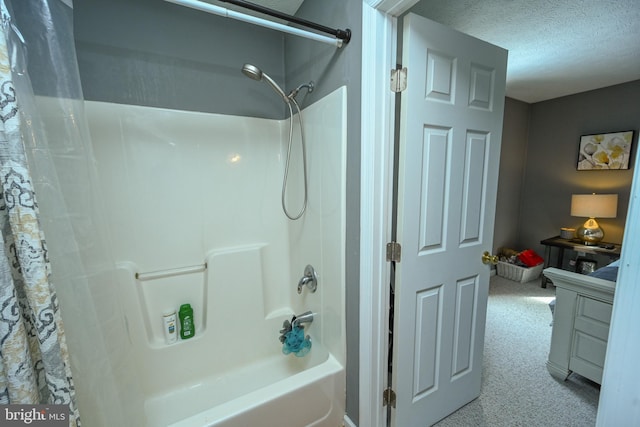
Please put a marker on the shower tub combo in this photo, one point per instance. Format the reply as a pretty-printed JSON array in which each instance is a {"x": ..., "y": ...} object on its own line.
[{"x": 195, "y": 217}]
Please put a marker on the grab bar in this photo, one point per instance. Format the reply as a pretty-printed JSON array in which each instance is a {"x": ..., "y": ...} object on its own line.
[{"x": 152, "y": 275}]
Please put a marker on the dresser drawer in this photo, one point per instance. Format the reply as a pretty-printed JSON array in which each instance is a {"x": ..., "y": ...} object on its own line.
[
  {"x": 590, "y": 334},
  {"x": 593, "y": 317},
  {"x": 587, "y": 356}
]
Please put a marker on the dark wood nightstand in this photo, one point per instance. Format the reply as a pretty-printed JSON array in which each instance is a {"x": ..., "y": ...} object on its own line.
[{"x": 611, "y": 250}]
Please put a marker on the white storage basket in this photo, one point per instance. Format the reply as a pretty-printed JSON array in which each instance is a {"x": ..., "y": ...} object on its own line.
[{"x": 517, "y": 273}]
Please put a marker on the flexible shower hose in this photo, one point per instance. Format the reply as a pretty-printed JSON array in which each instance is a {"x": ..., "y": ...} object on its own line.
[{"x": 304, "y": 162}]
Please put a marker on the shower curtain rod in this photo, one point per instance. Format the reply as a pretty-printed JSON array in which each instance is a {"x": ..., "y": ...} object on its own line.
[
  {"x": 344, "y": 35},
  {"x": 341, "y": 36}
]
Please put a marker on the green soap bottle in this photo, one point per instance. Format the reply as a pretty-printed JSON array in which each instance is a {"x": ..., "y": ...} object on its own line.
[{"x": 187, "y": 328}]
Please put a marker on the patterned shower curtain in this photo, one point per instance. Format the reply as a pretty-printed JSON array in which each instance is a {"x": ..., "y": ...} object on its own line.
[{"x": 34, "y": 362}]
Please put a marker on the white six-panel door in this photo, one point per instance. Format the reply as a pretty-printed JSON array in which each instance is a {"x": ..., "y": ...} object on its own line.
[{"x": 450, "y": 135}]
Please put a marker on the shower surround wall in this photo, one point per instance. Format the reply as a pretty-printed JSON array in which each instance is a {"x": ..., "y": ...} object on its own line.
[
  {"x": 154, "y": 53},
  {"x": 187, "y": 189}
]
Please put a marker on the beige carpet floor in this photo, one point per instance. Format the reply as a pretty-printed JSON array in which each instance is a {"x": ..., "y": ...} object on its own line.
[{"x": 517, "y": 389}]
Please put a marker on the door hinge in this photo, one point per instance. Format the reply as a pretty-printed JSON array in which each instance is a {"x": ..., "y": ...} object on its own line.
[
  {"x": 398, "y": 79},
  {"x": 394, "y": 252},
  {"x": 389, "y": 398}
]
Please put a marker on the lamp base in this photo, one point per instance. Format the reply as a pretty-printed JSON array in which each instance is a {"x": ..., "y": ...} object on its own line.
[{"x": 590, "y": 233}]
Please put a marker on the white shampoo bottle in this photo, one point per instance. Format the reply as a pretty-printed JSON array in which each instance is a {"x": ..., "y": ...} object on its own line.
[{"x": 170, "y": 326}]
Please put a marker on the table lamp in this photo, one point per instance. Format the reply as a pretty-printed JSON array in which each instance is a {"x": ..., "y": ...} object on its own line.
[{"x": 592, "y": 206}]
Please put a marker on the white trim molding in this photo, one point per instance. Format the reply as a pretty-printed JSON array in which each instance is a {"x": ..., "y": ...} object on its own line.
[
  {"x": 391, "y": 7},
  {"x": 620, "y": 394},
  {"x": 348, "y": 422},
  {"x": 376, "y": 203}
]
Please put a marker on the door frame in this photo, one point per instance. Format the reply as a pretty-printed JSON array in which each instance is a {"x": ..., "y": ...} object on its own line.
[{"x": 379, "y": 41}]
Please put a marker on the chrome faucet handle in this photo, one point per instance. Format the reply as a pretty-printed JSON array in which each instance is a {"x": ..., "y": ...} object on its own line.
[{"x": 310, "y": 279}]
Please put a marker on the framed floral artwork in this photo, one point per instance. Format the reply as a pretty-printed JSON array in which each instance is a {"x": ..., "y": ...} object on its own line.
[{"x": 605, "y": 151}]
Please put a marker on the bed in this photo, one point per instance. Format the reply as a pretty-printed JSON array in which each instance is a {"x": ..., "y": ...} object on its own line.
[{"x": 582, "y": 314}]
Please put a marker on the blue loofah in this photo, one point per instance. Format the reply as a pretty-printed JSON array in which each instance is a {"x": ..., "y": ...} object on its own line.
[{"x": 295, "y": 342}]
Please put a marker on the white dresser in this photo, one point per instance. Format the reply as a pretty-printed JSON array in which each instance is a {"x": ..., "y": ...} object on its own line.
[{"x": 580, "y": 325}]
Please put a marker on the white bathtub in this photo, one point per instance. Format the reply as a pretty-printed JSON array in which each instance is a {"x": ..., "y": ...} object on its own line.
[
  {"x": 280, "y": 391},
  {"x": 197, "y": 219}
]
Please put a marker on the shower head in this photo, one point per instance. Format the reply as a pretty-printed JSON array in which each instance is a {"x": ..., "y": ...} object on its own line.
[
  {"x": 256, "y": 73},
  {"x": 252, "y": 72}
]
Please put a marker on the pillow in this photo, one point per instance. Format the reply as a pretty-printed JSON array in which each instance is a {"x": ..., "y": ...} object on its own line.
[{"x": 609, "y": 272}]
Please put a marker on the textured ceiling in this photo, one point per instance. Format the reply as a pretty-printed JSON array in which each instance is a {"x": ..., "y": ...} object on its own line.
[{"x": 556, "y": 47}]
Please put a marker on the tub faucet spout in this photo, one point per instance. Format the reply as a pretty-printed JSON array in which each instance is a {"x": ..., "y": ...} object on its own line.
[
  {"x": 310, "y": 279},
  {"x": 306, "y": 317},
  {"x": 296, "y": 321}
]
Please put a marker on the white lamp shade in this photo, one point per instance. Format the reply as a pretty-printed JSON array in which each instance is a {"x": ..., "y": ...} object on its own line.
[{"x": 594, "y": 205}]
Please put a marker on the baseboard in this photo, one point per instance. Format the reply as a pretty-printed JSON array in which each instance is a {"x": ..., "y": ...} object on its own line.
[
  {"x": 348, "y": 422},
  {"x": 557, "y": 371}
]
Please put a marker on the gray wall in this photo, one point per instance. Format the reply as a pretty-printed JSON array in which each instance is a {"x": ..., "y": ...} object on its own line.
[
  {"x": 512, "y": 162},
  {"x": 158, "y": 54},
  {"x": 44, "y": 54},
  {"x": 331, "y": 68},
  {"x": 551, "y": 176}
]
